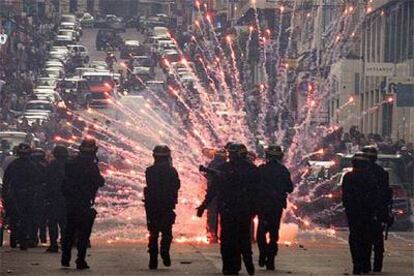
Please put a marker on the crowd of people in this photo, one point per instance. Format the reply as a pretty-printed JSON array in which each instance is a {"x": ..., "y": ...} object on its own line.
[
  {"x": 353, "y": 141},
  {"x": 21, "y": 62}
]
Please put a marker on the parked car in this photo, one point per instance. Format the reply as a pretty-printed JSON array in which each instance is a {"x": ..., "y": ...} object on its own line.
[
  {"x": 45, "y": 82},
  {"x": 76, "y": 49},
  {"x": 76, "y": 91},
  {"x": 115, "y": 23},
  {"x": 107, "y": 38},
  {"x": 132, "y": 48},
  {"x": 39, "y": 106},
  {"x": 73, "y": 27},
  {"x": 87, "y": 20},
  {"x": 14, "y": 138}
]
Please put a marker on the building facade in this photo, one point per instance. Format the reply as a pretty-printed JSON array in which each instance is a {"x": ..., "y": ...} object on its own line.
[{"x": 387, "y": 55}]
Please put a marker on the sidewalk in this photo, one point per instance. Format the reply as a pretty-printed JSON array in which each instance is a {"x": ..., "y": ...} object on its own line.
[{"x": 318, "y": 257}]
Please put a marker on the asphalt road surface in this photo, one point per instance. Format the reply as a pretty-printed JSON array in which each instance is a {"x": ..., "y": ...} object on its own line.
[{"x": 312, "y": 254}]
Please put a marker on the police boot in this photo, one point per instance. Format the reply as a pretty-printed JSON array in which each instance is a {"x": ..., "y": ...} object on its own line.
[
  {"x": 248, "y": 263},
  {"x": 166, "y": 259},
  {"x": 81, "y": 265},
  {"x": 153, "y": 262},
  {"x": 262, "y": 260},
  {"x": 270, "y": 263},
  {"x": 13, "y": 240},
  {"x": 53, "y": 249},
  {"x": 377, "y": 265},
  {"x": 357, "y": 270}
]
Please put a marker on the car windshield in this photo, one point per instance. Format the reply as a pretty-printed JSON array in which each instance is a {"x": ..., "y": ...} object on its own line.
[
  {"x": 145, "y": 62},
  {"x": 68, "y": 33},
  {"x": 41, "y": 82},
  {"x": 98, "y": 79},
  {"x": 69, "y": 84},
  {"x": 13, "y": 140},
  {"x": 39, "y": 106}
]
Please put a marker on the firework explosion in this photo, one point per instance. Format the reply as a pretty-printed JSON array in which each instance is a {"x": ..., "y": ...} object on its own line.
[{"x": 222, "y": 105}]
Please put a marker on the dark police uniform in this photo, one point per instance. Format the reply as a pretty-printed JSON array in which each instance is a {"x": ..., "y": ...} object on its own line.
[
  {"x": 235, "y": 188},
  {"x": 274, "y": 186},
  {"x": 82, "y": 180},
  {"x": 55, "y": 175},
  {"x": 384, "y": 201},
  {"x": 38, "y": 230},
  {"x": 212, "y": 213},
  {"x": 20, "y": 183},
  {"x": 161, "y": 194},
  {"x": 360, "y": 203}
]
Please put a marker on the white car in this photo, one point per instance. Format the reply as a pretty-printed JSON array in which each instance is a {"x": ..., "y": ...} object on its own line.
[
  {"x": 87, "y": 20},
  {"x": 71, "y": 32},
  {"x": 53, "y": 72},
  {"x": 47, "y": 95},
  {"x": 38, "y": 106},
  {"x": 71, "y": 26},
  {"x": 34, "y": 117},
  {"x": 157, "y": 31},
  {"x": 57, "y": 64},
  {"x": 81, "y": 50},
  {"x": 61, "y": 49},
  {"x": 59, "y": 56},
  {"x": 48, "y": 83},
  {"x": 16, "y": 137}
]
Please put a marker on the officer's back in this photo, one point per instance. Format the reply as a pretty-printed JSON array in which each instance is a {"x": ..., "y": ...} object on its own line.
[
  {"x": 22, "y": 174},
  {"x": 275, "y": 184},
  {"x": 358, "y": 187},
  {"x": 236, "y": 186},
  {"x": 162, "y": 186},
  {"x": 82, "y": 180}
]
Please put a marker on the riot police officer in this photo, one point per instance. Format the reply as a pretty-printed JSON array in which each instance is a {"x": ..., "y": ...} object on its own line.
[
  {"x": 55, "y": 174},
  {"x": 81, "y": 183},
  {"x": 161, "y": 194},
  {"x": 275, "y": 184},
  {"x": 38, "y": 231},
  {"x": 212, "y": 214},
  {"x": 20, "y": 182},
  {"x": 234, "y": 189},
  {"x": 382, "y": 217},
  {"x": 359, "y": 202}
]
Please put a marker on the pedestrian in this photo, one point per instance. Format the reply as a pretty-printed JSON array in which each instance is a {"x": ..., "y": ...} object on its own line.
[
  {"x": 234, "y": 189},
  {"x": 55, "y": 202},
  {"x": 359, "y": 201},
  {"x": 38, "y": 157},
  {"x": 20, "y": 182},
  {"x": 81, "y": 183},
  {"x": 383, "y": 200},
  {"x": 274, "y": 186},
  {"x": 160, "y": 196}
]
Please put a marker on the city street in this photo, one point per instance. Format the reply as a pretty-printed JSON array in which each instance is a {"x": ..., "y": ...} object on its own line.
[
  {"x": 311, "y": 254},
  {"x": 284, "y": 123}
]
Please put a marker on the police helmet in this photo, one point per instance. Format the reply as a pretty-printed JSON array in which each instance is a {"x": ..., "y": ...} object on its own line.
[
  {"x": 232, "y": 147},
  {"x": 60, "y": 151},
  {"x": 242, "y": 150},
  {"x": 23, "y": 149},
  {"x": 360, "y": 160},
  {"x": 274, "y": 151},
  {"x": 161, "y": 151},
  {"x": 38, "y": 153},
  {"x": 370, "y": 152},
  {"x": 88, "y": 146}
]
